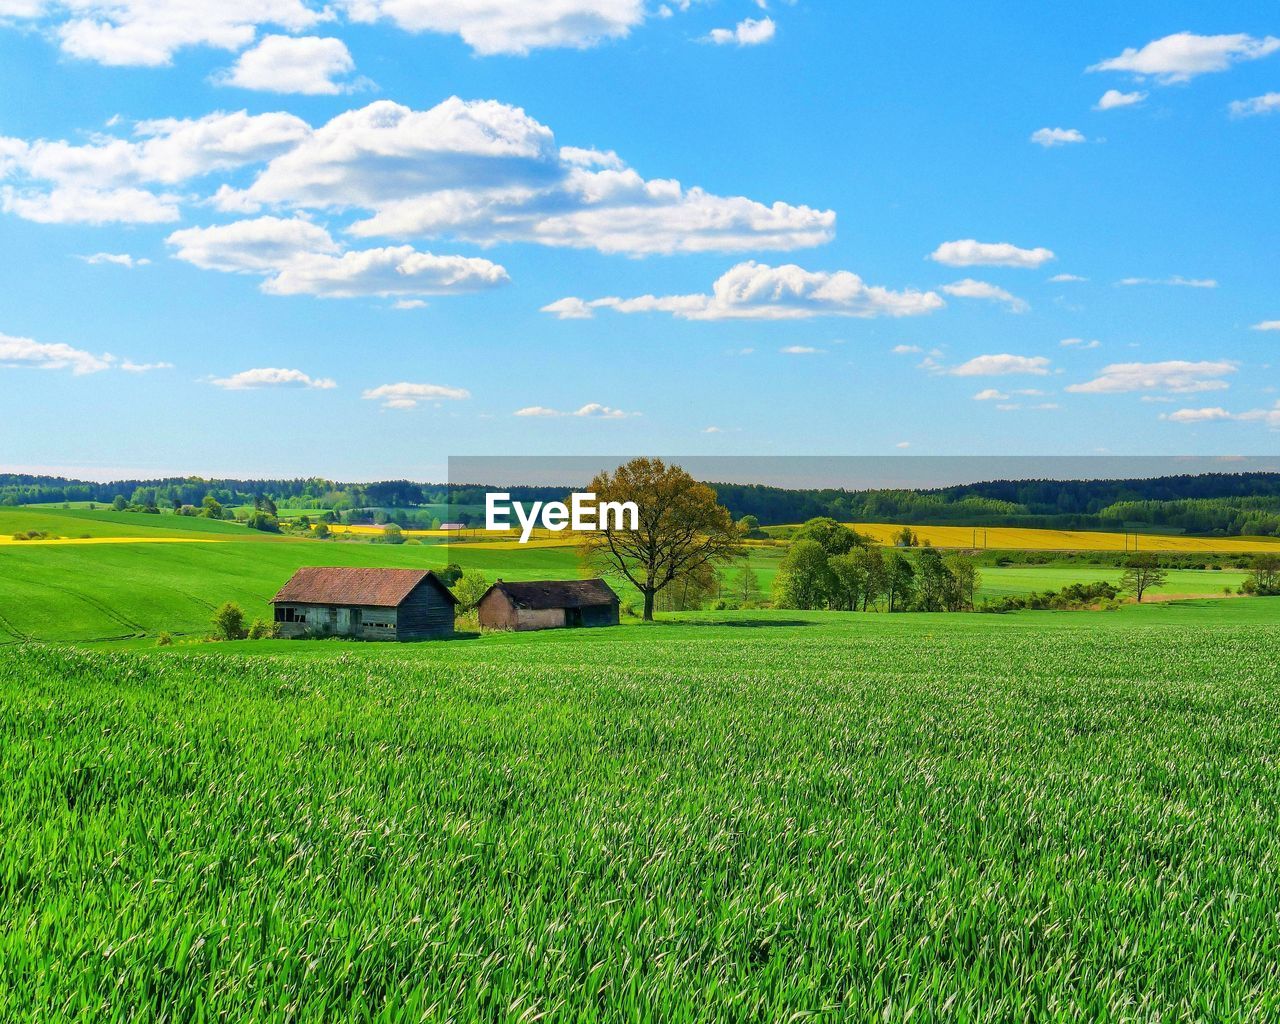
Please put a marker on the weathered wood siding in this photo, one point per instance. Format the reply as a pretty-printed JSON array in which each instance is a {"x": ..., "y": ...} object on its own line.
[{"x": 425, "y": 614}]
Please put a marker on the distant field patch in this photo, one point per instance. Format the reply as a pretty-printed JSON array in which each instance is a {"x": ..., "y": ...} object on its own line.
[{"x": 1007, "y": 538}]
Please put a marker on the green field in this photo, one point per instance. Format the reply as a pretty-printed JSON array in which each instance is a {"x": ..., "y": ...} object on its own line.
[
  {"x": 109, "y": 591},
  {"x": 748, "y": 816}
]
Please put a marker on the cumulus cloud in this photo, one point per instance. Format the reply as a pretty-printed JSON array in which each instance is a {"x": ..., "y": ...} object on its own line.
[
  {"x": 1049, "y": 137},
  {"x": 990, "y": 395},
  {"x": 1067, "y": 278},
  {"x": 119, "y": 259},
  {"x": 971, "y": 289},
  {"x": 1177, "y": 281},
  {"x": 297, "y": 257},
  {"x": 480, "y": 171},
  {"x": 1269, "y": 103},
  {"x": 1001, "y": 365},
  {"x": 800, "y": 350},
  {"x": 493, "y": 27},
  {"x": 748, "y": 32},
  {"x": 755, "y": 291},
  {"x": 1114, "y": 98},
  {"x": 26, "y": 352},
  {"x": 1183, "y": 55},
  {"x": 592, "y": 410},
  {"x": 1174, "y": 376},
  {"x": 968, "y": 252},
  {"x": 905, "y": 350},
  {"x": 406, "y": 396},
  {"x": 309, "y": 65},
  {"x": 486, "y": 172},
  {"x": 1079, "y": 343},
  {"x": 271, "y": 377},
  {"x": 1207, "y": 415},
  {"x": 147, "y": 33},
  {"x": 1267, "y": 325},
  {"x": 102, "y": 181}
]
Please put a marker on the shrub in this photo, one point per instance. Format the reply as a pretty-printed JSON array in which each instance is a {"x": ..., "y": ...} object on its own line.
[
  {"x": 263, "y": 630},
  {"x": 228, "y": 622},
  {"x": 165, "y": 639},
  {"x": 470, "y": 587}
]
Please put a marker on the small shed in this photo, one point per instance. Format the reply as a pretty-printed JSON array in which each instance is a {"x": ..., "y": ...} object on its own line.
[
  {"x": 548, "y": 604},
  {"x": 367, "y": 604}
]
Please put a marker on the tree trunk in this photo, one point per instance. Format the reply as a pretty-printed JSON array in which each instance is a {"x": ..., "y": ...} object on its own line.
[{"x": 648, "y": 605}]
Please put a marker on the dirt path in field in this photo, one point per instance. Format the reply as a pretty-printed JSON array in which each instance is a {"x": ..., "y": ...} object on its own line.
[{"x": 1161, "y": 598}]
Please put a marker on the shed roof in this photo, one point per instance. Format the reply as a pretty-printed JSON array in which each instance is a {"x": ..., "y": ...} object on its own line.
[
  {"x": 376, "y": 588},
  {"x": 558, "y": 593}
]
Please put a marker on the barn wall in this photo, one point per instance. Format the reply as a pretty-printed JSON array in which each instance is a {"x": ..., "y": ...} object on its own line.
[
  {"x": 496, "y": 611},
  {"x": 425, "y": 614},
  {"x": 600, "y": 615},
  {"x": 540, "y": 618}
]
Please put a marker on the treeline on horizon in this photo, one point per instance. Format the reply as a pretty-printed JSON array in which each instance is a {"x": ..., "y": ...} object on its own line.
[{"x": 1221, "y": 504}]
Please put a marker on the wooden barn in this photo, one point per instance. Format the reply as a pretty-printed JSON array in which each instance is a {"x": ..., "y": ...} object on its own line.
[
  {"x": 367, "y": 604},
  {"x": 548, "y": 604}
]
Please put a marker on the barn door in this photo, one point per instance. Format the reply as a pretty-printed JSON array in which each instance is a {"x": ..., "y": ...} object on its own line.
[{"x": 357, "y": 621}]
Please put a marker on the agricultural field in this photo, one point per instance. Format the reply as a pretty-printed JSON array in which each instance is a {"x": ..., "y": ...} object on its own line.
[
  {"x": 733, "y": 816},
  {"x": 139, "y": 575},
  {"x": 1014, "y": 539}
]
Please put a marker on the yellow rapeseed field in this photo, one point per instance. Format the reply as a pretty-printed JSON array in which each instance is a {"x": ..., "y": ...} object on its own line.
[
  {"x": 44, "y": 541},
  {"x": 1015, "y": 539}
]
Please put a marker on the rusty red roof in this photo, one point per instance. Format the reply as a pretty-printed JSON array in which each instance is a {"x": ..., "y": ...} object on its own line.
[
  {"x": 558, "y": 593},
  {"x": 376, "y": 588}
]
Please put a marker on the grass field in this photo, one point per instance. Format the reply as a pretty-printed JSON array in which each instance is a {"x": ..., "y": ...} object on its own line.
[
  {"x": 738, "y": 817},
  {"x": 134, "y": 579}
]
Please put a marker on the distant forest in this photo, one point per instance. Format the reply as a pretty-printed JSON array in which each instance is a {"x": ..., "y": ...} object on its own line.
[{"x": 1215, "y": 504}]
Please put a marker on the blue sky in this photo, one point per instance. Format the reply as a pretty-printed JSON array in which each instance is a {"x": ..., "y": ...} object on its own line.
[{"x": 279, "y": 237}]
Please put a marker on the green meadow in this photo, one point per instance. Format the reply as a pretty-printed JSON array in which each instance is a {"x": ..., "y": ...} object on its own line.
[
  {"x": 734, "y": 816},
  {"x": 110, "y": 591}
]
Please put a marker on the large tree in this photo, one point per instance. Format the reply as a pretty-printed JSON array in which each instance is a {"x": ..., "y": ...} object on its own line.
[
  {"x": 1141, "y": 573},
  {"x": 682, "y": 528}
]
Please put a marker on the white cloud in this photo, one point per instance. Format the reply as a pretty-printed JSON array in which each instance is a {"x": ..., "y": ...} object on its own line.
[
  {"x": 90, "y": 206},
  {"x": 298, "y": 257},
  {"x": 486, "y": 172},
  {"x": 1177, "y": 281},
  {"x": 1049, "y": 137},
  {"x": 406, "y": 396},
  {"x": 968, "y": 252},
  {"x": 1112, "y": 99},
  {"x": 99, "y": 182},
  {"x": 906, "y": 350},
  {"x": 712, "y": 430},
  {"x": 801, "y": 350},
  {"x": 310, "y": 65},
  {"x": 148, "y": 33},
  {"x": 990, "y": 395},
  {"x": 903, "y": 444},
  {"x": 1066, "y": 278},
  {"x": 407, "y": 304},
  {"x": 271, "y": 377},
  {"x": 129, "y": 366},
  {"x": 481, "y": 172},
  {"x": 755, "y": 291},
  {"x": 1183, "y": 55},
  {"x": 1001, "y": 365},
  {"x": 971, "y": 289},
  {"x": 569, "y": 309},
  {"x": 1268, "y": 103},
  {"x": 500, "y": 26},
  {"x": 1267, "y": 325},
  {"x": 1079, "y": 343},
  {"x": 26, "y": 352},
  {"x": 1175, "y": 376},
  {"x": 748, "y": 32},
  {"x": 119, "y": 259},
  {"x": 592, "y": 410},
  {"x": 1216, "y": 414},
  {"x": 1207, "y": 415}
]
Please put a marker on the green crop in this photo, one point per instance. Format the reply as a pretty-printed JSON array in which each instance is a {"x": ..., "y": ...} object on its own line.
[{"x": 768, "y": 818}]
